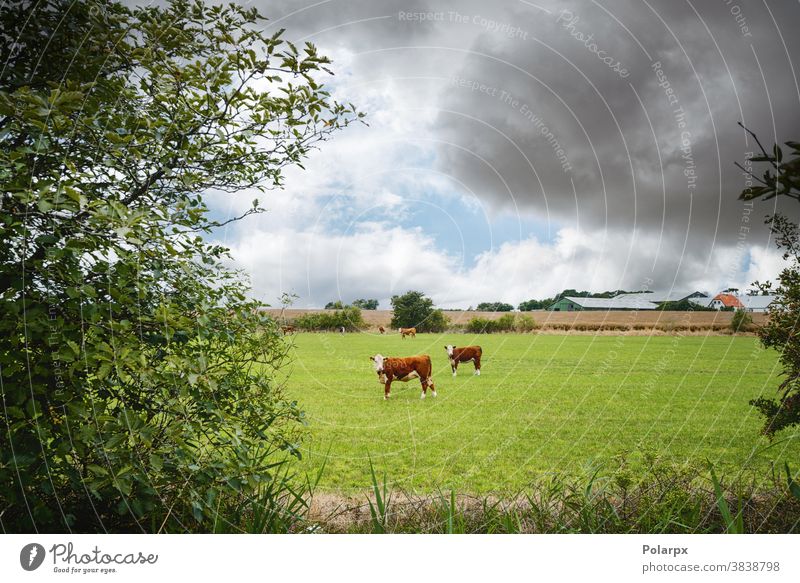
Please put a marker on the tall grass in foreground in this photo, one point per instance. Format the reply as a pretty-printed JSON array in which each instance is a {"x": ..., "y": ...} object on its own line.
[
  {"x": 279, "y": 504},
  {"x": 661, "y": 498}
]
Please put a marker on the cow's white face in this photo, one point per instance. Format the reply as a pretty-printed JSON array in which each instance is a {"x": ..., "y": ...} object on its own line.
[
  {"x": 449, "y": 349},
  {"x": 377, "y": 361}
]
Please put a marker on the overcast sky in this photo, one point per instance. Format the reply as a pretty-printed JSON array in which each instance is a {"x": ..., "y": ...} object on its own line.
[{"x": 518, "y": 148}]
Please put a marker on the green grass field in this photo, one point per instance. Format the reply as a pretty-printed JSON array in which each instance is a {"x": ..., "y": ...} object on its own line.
[{"x": 544, "y": 404}]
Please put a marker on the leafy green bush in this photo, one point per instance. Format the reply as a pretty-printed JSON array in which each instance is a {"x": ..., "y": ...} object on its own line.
[
  {"x": 741, "y": 321},
  {"x": 479, "y": 326},
  {"x": 435, "y": 322},
  {"x": 504, "y": 323},
  {"x": 348, "y": 317},
  {"x": 138, "y": 381},
  {"x": 485, "y": 326},
  {"x": 525, "y": 323}
]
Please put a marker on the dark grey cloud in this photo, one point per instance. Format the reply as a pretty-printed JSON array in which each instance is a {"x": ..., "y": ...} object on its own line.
[{"x": 623, "y": 137}]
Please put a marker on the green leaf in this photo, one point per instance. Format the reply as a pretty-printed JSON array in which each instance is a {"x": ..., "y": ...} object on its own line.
[
  {"x": 97, "y": 470},
  {"x": 794, "y": 488},
  {"x": 44, "y": 205}
]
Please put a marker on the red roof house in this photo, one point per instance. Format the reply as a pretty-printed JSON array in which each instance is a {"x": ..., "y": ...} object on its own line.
[{"x": 726, "y": 301}]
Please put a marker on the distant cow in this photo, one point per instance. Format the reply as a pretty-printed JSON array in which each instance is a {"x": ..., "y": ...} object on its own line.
[
  {"x": 408, "y": 332},
  {"x": 464, "y": 354},
  {"x": 287, "y": 329},
  {"x": 381, "y": 329},
  {"x": 404, "y": 369},
  {"x": 341, "y": 329}
]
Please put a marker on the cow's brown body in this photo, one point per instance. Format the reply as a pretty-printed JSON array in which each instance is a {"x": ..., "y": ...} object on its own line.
[
  {"x": 381, "y": 329},
  {"x": 287, "y": 329},
  {"x": 465, "y": 354},
  {"x": 408, "y": 332},
  {"x": 405, "y": 369}
]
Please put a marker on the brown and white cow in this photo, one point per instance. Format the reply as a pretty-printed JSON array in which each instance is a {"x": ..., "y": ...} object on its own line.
[
  {"x": 407, "y": 332},
  {"x": 381, "y": 329},
  {"x": 287, "y": 330},
  {"x": 464, "y": 354},
  {"x": 404, "y": 369}
]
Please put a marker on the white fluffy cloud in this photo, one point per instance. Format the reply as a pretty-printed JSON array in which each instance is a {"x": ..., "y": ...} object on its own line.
[{"x": 378, "y": 260}]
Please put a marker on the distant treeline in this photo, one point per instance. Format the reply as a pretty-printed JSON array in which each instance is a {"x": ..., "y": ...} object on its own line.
[
  {"x": 361, "y": 303},
  {"x": 494, "y": 307}
]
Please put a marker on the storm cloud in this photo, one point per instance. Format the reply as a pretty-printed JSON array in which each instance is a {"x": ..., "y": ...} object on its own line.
[{"x": 610, "y": 123}]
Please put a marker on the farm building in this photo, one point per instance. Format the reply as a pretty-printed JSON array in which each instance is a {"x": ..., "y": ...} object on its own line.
[
  {"x": 670, "y": 296},
  {"x": 572, "y": 304},
  {"x": 701, "y": 301},
  {"x": 757, "y": 303},
  {"x": 723, "y": 300},
  {"x": 636, "y": 301}
]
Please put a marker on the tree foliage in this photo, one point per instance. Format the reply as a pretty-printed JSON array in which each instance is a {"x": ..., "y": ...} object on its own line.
[
  {"x": 781, "y": 330},
  {"x": 414, "y": 310},
  {"x": 494, "y": 307},
  {"x": 504, "y": 323},
  {"x": 741, "y": 321},
  {"x": 360, "y": 303},
  {"x": 366, "y": 304},
  {"x": 137, "y": 378},
  {"x": 348, "y": 317},
  {"x": 781, "y": 178}
]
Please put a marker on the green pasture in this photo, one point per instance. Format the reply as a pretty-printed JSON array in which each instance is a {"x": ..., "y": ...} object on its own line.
[{"x": 544, "y": 404}]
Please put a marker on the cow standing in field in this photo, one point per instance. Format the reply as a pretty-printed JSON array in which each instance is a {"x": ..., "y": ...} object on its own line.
[
  {"x": 287, "y": 330},
  {"x": 464, "y": 354},
  {"x": 381, "y": 329},
  {"x": 407, "y": 332},
  {"x": 404, "y": 369}
]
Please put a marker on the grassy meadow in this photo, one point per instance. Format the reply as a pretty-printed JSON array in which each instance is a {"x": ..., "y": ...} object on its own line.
[{"x": 543, "y": 405}]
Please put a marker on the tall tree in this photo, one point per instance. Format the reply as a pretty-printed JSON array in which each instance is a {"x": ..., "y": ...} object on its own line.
[
  {"x": 366, "y": 304},
  {"x": 414, "y": 310},
  {"x": 137, "y": 378}
]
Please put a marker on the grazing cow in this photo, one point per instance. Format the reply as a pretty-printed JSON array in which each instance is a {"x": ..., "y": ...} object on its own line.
[
  {"x": 287, "y": 329},
  {"x": 341, "y": 329},
  {"x": 381, "y": 329},
  {"x": 404, "y": 369},
  {"x": 407, "y": 332},
  {"x": 464, "y": 354}
]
